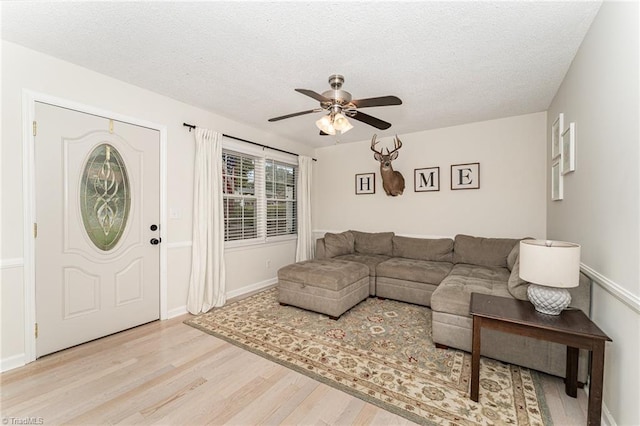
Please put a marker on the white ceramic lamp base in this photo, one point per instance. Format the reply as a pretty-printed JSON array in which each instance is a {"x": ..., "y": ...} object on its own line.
[{"x": 548, "y": 300}]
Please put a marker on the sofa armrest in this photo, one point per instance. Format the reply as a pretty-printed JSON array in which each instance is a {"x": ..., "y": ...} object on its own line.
[{"x": 320, "y": 251}]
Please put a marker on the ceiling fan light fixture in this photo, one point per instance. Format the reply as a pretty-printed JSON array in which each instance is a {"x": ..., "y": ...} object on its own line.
[
  {"x": 341, "y": 123},
  {"x": 339, "y": 105},
  {"x": 325, "y": 124}
]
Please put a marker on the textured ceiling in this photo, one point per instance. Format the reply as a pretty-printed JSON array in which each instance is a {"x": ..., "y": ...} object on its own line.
[{"x": 450, "y": 62}]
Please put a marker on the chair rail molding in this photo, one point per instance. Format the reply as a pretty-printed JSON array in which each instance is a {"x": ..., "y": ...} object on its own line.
[
  {"x": 179, "y": 244},
  {"x": 613, "y": 288},
  {"x": 15, "y": 262}
]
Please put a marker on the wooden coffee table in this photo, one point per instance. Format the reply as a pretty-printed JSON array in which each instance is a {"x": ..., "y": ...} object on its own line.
[{"x": 571, "y": 328}]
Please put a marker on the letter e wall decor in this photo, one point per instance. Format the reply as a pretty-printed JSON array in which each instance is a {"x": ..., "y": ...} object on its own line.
[{"x": 465, "y": 176}]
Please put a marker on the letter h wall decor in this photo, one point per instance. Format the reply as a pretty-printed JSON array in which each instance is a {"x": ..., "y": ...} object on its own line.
[{"x": 365, "y": 183}]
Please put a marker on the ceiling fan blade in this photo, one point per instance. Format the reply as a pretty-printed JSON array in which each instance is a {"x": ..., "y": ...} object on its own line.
[
  {"x": 323, "y": 133},
  {"x": 317, "y": 96},
  {"x": 371, "y": 121},
  {"x": 380, "y": 101},
  {"x": 295, "y": 114}
]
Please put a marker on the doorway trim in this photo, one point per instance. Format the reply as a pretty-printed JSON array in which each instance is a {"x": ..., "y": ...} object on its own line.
[{"x": 29, "y": 99}]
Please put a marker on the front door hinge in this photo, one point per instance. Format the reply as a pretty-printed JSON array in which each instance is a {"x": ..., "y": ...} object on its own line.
[
  {"x": 35, "y": 230},
  {"x": 36, "y": 330},
  {"x": 35, "y": 127}
]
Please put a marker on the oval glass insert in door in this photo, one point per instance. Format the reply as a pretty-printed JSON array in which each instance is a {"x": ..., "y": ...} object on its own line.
[{"x": 105, "y": 196}]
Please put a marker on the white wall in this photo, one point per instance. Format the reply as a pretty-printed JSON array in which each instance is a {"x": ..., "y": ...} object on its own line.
[
  {"x": 509, "y": 203},
  {"x": 601, "y": 206},
  {"x": 26, "y": 69}
]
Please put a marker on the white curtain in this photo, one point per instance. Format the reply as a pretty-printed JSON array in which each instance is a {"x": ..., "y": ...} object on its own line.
[
  {"x": 207, "y": 281},
  {"x": 306, "y": 243}
]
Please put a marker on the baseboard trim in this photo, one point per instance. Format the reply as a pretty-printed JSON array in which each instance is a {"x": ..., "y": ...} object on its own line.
[
  {"x": 252, "y": 288},
  {"x": 613, "y": 288},
  {"x": 176, "y": 312},
  {"x": 12, "y": 362},
  {"x": 607, "y": 418}
]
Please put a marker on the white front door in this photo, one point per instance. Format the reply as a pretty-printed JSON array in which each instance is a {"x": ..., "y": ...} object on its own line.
[{"x": 97, "y": 261}]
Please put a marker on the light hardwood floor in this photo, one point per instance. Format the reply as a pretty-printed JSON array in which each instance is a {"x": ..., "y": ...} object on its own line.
[{"x": 166, "y": 372}]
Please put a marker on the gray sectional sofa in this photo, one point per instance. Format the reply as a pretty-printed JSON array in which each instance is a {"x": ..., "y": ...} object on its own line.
[{"x": 442, "y": 274}]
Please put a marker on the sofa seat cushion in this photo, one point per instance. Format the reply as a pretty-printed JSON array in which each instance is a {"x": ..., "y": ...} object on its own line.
[
  {"x": 329, "y": 274},
  {"x": 453, "y": 295},
  {"x": 421, "y": 271},
  {"x": 370, "y": 260}
]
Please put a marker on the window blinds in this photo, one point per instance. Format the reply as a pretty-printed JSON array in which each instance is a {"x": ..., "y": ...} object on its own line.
[{"x": 259, "y": 197}]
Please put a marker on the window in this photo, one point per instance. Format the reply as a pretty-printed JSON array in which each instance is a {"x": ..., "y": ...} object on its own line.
[
  {"x": 239, "y": 196},
  {"x": 280, "y": 193},
  {"x": 259, "y": 196}
]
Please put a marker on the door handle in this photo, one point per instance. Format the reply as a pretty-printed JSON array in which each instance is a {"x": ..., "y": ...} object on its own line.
[{"x": 155, "y": 241}]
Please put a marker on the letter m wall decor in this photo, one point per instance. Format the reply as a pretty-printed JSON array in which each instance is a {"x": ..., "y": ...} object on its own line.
[
  {"x": 465, "y": 176},
  {"x": 425, "y": 180},
  {"x": 365, "y": 183}
]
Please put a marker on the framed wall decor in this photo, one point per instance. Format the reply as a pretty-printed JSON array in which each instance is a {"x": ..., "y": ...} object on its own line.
[
  {"x": 569, "y": 149},
  {"x": 556, "y": 136},
  {"x": 556, "y": 181},
  {"x": 465, "y": 176},
  {"x": 365, "y": 183},
  {"x": 426, "y": 180}
]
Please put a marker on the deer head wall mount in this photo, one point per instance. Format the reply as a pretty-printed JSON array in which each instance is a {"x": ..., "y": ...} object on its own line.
[{"x": 392, "y": 181}]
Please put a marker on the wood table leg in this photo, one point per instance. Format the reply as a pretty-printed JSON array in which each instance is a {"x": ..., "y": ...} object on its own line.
[
  {"x": 571, "y": 381},
  {"x": 475, "y": 359},
  {"x": 594, "y": 411}
]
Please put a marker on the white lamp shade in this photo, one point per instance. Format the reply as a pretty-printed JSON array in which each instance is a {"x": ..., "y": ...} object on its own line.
[{"x": 550, "y": 263}]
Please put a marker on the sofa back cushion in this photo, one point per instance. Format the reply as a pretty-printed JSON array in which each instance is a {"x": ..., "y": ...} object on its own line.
[
  {"x": 373, "y": 243},
  {"x": 338, "y": 244},
  {"x": 436, "y": 250},
  {"x": 482, "y": 251}
]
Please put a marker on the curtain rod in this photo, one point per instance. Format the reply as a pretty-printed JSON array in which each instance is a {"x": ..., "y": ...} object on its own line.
[{"x": 191, "y": 127}]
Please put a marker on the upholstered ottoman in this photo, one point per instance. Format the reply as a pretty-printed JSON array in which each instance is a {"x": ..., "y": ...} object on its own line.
[{"x": 328, "y": 286}]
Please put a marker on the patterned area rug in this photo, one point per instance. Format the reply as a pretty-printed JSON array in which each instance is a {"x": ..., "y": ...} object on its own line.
[{"x": 381, "y": 351}]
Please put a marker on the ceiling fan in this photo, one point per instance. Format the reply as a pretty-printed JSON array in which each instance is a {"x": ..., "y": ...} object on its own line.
[{"x": 339, "y": 105}]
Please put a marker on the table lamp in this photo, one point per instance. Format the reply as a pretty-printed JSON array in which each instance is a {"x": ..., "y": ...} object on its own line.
[{"x": 551, "y": 267}]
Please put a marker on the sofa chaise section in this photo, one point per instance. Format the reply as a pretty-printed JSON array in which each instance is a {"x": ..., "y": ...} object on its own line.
[{"x": 495, "y": 270}]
